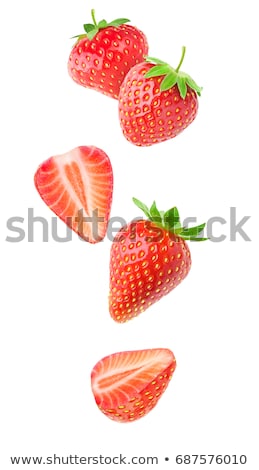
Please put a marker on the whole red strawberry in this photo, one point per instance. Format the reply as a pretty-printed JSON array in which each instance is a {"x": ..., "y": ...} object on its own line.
[
  {"x": 149, "y": 258},
  {"x": 156, "y": 102},
  {"x": 127, "y": 385},
  {"x": 105, "y": 53}
]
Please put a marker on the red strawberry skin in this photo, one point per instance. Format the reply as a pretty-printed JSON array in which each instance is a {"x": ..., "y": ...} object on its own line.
[
  {"x": 148, "y": 115},
  {"x": 77, "y": 185},
  {"x": 127, "y": 385},
  {"x": 103, "y": 62},
  {"x": 146, "y": 263}
]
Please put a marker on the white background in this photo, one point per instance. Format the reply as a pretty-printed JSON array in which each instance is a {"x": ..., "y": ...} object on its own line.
[{"x": 55, "y": 323}]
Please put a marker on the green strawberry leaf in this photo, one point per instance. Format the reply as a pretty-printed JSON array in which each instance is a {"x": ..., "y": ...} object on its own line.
[
  {"x": 157, "y": 71},
  {"x": 92, "y": 33},
  {"x": 176, "y": 229},
  {"x": 88, "y": 27},
  {"x": 169, "y": 81},
  {"x": 198, "y": 239},
  {"x": 142, "y": 207},
  {"x": 102, "y": 24},
  {"x": 192, "y": 84},
  {"x": 162, "y": 213},
  {"x": 181, "y": 83},
  {"x": 193, "y": 231},
  {"x": 153, "y": 60},
  {"x": 172, "y": 218},
  {"x": 118, "y": 22},
  {"x": 172, "y": 76},
  {"x": 78, "y": 37},
  {"x": 155, "y": 214}
]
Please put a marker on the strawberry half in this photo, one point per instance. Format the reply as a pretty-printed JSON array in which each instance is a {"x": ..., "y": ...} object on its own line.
[
  {"x": 105, "y": 53},
  {"x": 156, "y": 102},
  {"x": 149, "y": 258},
  {"x": 127, "y": 385},
  {"x": 77, "y": 186}
]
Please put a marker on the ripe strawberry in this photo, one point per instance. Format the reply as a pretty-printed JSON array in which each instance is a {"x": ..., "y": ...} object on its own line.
[
  {"x": 77, "y": 186},
  {"x": 156, "y": 102},
  {"x": 105, "y": 53},
  {"x": 127, "y": 385},
  {"x": 148, "y": 259}
]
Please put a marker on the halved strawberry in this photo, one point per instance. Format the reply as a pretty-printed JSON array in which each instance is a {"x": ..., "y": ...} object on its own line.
[
  {"x": 77, "y": 186},
  {"x": 127, "y": 385}
]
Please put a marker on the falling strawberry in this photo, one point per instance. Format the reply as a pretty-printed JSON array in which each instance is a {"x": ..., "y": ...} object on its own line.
[
  {"x": 149, "y": 258},
  {"x": 105, "y": 53},
  {"x": 127, "y": 385},
  {"x": 156, "y": 102},
  {"x": 77, "y": 186}
]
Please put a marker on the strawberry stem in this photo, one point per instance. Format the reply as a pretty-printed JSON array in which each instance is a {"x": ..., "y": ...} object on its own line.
[
  {"x": 92, "y": 29},
  {"x": 93, "y": 17},
  {"x": 172, "y": 76},
  {"x": 182, "y": 59}
]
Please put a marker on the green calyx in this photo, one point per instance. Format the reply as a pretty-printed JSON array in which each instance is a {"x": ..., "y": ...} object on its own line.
[
  {"x": 172, "y": 76},
  {"x": 170, "y": 220},
  {"x": 91, "y": 29}
]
